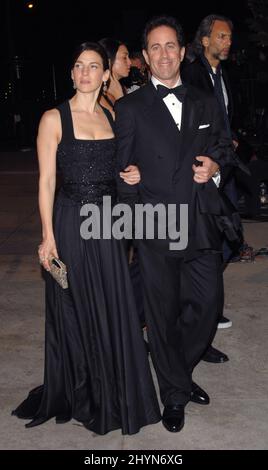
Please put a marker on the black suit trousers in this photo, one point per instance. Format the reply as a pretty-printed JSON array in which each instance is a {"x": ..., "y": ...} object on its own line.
[{"x": 180, "y": 306}]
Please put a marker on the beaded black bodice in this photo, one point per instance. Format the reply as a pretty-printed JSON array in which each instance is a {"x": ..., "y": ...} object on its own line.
[{"x": 87, "y": 167}]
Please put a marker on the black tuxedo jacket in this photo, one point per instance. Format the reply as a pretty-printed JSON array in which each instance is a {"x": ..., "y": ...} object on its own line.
[
  {"x": 148, "y": 137},
  {"x": 196, "y": 74}
]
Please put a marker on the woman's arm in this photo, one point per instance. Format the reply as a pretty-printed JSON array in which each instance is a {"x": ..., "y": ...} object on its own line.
[{"x": 49, "y": 135}]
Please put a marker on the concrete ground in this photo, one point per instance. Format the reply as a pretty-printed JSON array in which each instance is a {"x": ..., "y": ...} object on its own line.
[{"x": 238, "y": 414}]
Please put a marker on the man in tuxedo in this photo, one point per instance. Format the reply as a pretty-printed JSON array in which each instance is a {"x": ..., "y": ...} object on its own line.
[{"x": 176, "y": 137}]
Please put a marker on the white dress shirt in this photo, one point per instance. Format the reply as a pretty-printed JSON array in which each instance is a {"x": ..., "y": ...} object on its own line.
[
  {"x": 225, "y": 94},
  {"x": 171, "y": 101}
]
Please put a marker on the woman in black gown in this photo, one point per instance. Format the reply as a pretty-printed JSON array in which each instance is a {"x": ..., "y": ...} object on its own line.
[{"x": 96, "y": 366}]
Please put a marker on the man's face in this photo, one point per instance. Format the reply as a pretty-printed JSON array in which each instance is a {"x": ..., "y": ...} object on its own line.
[
  {"x": 164, "y": 54},
  {"x": 217, "y": 45}
]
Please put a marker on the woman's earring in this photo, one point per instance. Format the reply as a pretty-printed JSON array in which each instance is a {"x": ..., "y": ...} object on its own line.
[
  {"x": 105, "y": 88},
  {"x": 74, "y": 85}
]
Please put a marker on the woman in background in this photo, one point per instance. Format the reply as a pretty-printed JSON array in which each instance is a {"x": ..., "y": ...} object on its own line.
[{"x": 119, "y": 65}]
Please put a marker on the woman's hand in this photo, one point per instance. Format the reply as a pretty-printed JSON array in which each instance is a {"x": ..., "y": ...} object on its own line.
[
  {"x": 131, "y": 175},
  {"x": 46, "y": 251}
]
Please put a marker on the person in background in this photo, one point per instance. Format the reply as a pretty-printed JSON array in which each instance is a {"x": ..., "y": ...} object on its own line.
[
  {"x": 115, "y": 88},
  {"x": 211, "y": 48},
  {"x": 119, "y": 65},
  {"x": 139, "y": 73}
]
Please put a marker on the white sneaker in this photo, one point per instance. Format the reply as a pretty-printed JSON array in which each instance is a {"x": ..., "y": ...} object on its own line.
[{"x": 224, "y": 323}]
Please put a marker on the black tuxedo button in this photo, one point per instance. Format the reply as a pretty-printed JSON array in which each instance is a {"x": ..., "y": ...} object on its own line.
[{"x": 159, "y": 157}]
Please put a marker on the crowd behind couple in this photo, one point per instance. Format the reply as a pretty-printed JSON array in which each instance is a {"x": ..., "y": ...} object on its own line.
[{"x": 167, "y": 142}]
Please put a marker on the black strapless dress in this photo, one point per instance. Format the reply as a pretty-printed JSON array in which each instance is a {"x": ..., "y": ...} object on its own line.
[{"x": 96, "y": 365}]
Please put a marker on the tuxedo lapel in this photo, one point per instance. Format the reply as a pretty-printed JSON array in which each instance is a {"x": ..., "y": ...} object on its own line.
[
  {"x": 166, "y": 134},
  {"x": 207, "y": 82},
  {"x": 192, "y": 111}
]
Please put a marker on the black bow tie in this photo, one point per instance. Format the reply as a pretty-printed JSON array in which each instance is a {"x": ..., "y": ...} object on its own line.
[{"x": 178, "y": 91}]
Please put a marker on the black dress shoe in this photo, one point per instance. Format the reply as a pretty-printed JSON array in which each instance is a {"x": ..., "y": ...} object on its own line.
[
  {"x": 198, "y": 395},
  {"x": 214, "y": 355},
  {"x": 173, "y": 418}
]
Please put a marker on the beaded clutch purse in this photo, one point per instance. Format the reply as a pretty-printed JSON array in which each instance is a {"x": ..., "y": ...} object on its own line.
[{"x": 58, "y": 271}]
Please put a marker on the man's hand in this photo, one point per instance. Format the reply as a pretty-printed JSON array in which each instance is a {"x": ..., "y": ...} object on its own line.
[
  {"x": 202, "y": 174},
  {"x": 131, "y": 175}
]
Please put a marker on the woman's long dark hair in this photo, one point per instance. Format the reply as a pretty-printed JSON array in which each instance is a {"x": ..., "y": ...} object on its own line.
[
  {"x": 91, "y": 46},
  {"x": 111, "y": 47}
]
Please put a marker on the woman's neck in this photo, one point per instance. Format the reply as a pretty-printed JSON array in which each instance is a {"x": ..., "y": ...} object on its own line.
[{"x": 86, "y": 102}]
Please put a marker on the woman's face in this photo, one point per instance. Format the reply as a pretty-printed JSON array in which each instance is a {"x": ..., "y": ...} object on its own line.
[
  {"x": 87, "y": 73},
  {"x": 121, "y": 66}
]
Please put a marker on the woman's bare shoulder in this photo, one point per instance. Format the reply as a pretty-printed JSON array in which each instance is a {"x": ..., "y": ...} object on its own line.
[
  {"x": 51, "y": 121},
  {"x": 51, "y": 116},
  {"x": 50, "y": 125}
]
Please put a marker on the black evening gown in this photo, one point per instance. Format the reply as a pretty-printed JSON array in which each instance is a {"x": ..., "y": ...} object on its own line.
[{"x": 96, "y": 365}]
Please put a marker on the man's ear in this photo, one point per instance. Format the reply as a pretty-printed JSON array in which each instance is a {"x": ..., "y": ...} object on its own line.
[
  {"x": 182, "y": 53},
  {"x": 205, "y": 41},
  {"x": 145, "y": 55}
]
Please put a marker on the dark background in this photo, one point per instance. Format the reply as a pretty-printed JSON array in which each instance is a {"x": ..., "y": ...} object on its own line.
[
  {"x": 51, "y": 28},
  {"x": 37, "y": 44}
]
